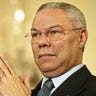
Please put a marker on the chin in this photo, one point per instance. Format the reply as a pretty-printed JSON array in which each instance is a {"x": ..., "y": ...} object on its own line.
[{"x": 49, "y": 74}]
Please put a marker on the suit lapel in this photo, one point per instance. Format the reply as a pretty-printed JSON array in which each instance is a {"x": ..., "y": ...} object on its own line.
[{"x": 74, "y": 84}]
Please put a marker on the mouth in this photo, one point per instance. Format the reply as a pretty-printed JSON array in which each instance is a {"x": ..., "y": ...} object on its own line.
[{"x": 46, "y": 56}]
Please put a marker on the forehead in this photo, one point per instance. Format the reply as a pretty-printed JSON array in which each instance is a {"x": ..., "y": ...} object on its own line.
[{"x": 48, "y": 17}]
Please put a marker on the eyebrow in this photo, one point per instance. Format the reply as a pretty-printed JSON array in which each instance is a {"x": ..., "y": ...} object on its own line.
[
  {"x": 53, "y": 26},
  {"x": 57, "y": 25},
  {"x": 33, "y": 29}
]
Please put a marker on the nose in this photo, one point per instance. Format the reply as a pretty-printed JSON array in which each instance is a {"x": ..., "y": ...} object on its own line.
[{"x": 44, "y": 41}]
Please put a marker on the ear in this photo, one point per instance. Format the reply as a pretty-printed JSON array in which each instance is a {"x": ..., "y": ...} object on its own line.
[{"x": 83, "y": 38}]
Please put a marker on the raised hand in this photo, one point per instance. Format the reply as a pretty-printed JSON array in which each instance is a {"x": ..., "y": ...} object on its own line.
[{"x": 10, "y": 82}]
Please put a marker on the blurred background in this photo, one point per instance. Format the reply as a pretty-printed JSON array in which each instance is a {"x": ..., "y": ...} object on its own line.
[{"x": 15, "y": 21}]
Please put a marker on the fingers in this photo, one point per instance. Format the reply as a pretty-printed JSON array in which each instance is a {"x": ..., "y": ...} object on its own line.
[
  {"x": 27, "y": 84},
  {"x": 2, "y": 74},
  {"x": 11, "y": 83},
  {"x": 5, "y": 67},
  {"x": 27, "y": 81}
]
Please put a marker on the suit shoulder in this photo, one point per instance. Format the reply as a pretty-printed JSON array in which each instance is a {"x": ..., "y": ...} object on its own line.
[
  {"x": 92, "y": 80},
  {"x": 91, "y": 83}
]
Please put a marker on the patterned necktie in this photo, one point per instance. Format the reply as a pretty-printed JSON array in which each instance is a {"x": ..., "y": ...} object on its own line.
[{"x": 46, "y": 89}]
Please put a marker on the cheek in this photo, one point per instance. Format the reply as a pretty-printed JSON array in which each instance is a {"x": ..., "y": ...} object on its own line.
[
  {"x": 62, "y": 46},
  {"x": 62, "y": 49},
  {"x": 35, "y": 51}
]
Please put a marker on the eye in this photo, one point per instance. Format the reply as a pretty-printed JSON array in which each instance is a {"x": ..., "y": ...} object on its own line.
[
  {"x": 35, "y": 34},
  {"x": 55, "y": 32}
]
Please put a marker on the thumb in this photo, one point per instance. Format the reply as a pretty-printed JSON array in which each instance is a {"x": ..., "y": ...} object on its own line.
[{"x": 27, "y": 81}]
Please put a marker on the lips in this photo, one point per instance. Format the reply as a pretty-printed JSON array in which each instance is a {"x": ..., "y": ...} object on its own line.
[{"x": 46, "y": 56}]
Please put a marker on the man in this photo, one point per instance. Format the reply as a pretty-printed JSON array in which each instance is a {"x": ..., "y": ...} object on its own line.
[{"x": 59, "y": 35}]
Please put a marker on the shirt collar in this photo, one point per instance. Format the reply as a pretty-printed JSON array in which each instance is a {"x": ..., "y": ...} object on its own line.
[{"x": 57, "y": 81}]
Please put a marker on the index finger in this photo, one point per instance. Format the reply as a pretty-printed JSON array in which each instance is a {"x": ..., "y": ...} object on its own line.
[{"x": 6, "y": 64}]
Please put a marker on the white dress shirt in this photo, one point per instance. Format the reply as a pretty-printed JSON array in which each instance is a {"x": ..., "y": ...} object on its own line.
[{"x": 57, "y": 81}]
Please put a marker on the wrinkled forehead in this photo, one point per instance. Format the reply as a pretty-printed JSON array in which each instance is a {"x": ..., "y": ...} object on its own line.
[{"x": 47, "y": 17}]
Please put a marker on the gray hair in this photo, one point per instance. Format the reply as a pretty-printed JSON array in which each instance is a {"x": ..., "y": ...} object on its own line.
[{"x": 74, "y": 14}]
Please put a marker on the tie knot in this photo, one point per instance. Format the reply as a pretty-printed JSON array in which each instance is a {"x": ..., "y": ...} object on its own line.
[
  {"x": 49, "y": 84},
  {"x": 46, "y": 89}
]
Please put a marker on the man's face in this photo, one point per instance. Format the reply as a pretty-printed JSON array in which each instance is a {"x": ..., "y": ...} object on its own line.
[{"x": 55, "y": 57}]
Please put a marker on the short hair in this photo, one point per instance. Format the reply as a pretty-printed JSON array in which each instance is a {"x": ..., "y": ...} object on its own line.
[{"x": 74, "y": 14}]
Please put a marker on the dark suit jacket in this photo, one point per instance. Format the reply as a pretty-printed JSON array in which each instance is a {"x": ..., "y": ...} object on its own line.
[{"x": 81, "y": 83}]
